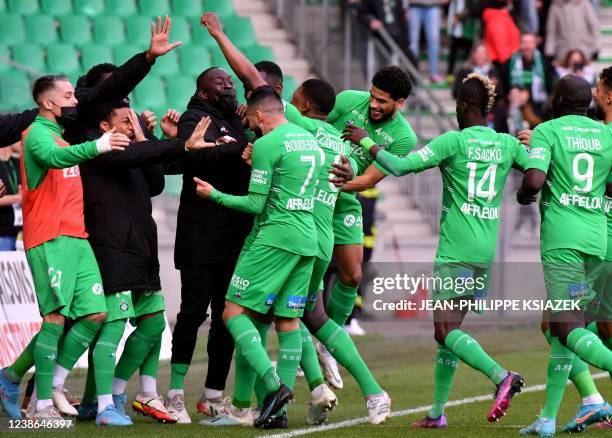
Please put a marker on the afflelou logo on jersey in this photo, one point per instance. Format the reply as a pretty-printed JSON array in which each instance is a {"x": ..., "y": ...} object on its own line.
[{"x": 71, "y": 172}]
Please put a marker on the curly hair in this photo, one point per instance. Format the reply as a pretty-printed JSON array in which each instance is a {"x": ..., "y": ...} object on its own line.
[
  {"x": 478, "y": 89},
  {"x": 320, "y": 94},
  {"x": 393, "y": 80},
  {"x": 606, "y": 77}
]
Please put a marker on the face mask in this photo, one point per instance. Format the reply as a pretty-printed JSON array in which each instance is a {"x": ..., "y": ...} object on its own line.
[
  {"x": 226, "y": 102},
  {"x": 68, "y": 116}
]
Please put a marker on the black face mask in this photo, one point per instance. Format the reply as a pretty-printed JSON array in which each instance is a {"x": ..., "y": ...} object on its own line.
[
  {"x": 225, "y": 102},
  {"x": 68, "y": 117}
]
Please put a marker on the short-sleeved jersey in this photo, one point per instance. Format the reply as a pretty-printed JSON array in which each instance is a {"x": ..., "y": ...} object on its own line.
[
  {"x": 608, "y": 211},
  {"x": 394, "y": 135},
  {"x": 332, "y": 147},
  {"x": 474, "y": 163},
  {"x": 576, "y": 154},
  {"x": 285, "y": 166}
]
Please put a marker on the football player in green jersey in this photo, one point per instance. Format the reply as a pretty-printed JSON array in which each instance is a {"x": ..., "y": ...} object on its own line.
[
  {"x": 570, "y": 161},
  {"x": 474, "y": 163}
]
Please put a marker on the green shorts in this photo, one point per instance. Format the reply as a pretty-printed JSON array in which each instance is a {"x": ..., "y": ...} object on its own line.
[
  {"x": 348, "y": 220},
  {"x": 66, "y": 277},
  {"x": 119, "y": 306},
  {"x": 601, "y": 306},
  {"x": 455, "y": 279},
  {"x": 319, "y": 268},
  {"x": 132, "y": 304},
  {"x": 268, "y": 278},
  {"x": 569, "y": 276}
]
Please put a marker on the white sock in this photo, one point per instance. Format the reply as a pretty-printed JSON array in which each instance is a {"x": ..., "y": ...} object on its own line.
[
  {"x": 42, "y": 404},
  {"x": 174, "y": 392},
  {"x": 148, "y": 385},
  {"x": 592, "y": 399},
  {"x": 59, "y": 376},
  {"x": 316, "y": 393},
  {"x": 213, "y": 394},
  {"x": 104, "y": 400},
  {"x": 119, "y": 386}
]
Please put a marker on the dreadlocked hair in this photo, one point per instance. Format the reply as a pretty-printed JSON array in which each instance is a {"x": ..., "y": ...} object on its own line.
[{"x": 484, "y": 97}]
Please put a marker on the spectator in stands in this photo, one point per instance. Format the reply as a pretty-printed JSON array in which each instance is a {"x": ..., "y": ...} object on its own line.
[
  {"x": 527, "y": 72},
  {"x": 576, "y": 62},
  {"x": 572, "y": 24},
  {"x": 426, "y": 14},
  {"x": 528, "y": 16},
  {"x": 11, "y": 220},
  {"x": 461, "y": 28}
]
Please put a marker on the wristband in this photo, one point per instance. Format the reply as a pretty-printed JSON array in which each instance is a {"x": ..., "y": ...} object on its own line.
[
  {"x": 367, "y": 143},
  {"x": 103, "y": 144}
]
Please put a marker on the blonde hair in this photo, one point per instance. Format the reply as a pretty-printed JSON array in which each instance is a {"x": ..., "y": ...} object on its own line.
[{"x": 488, "y": 86}]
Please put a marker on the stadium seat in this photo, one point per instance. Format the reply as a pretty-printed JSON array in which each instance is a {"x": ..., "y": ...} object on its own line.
[
  {"x": 15, "y": 91},
  {"x": 150, "y": 93},
  {"x": 63, "y": 58},
  {"x": 2, "y": 6},
  {"x": 240, "y": 30},
  {"x": 121, "y": 8},
  {"x": 109, "y": 30},
  {"x": 93, "y": 54},
  {"x": 166, "y": 65},
  {"x": 187, "y": 8},
  {"x": 89, "y": 7},
  {"x": 41, "y": 29},
  {"x": 218, "y": 60},
  {"x": 31, "y": 55},
  {"x": 223, "y": 8},
  {"x": 56, "y": 7},
  {"x": 23, "y": 7},
  {"x": 180, "y": 89},
  {"x": 124, "y": 52},
  {"x": 12, "y": 29},
  {"x": 201, "y": 37},
  {"x": 258, "y": 53},
  {"x": 5, "y": 55},
  {"x": 193, "y": 59},
  {"x": 139, "y": 30},
  {"x": 154, "y": 7},
  {"x": 174, "y": 183},
  {"x": 75, "y": 29},
  {"x": 180, "y": 30},
  {"x": 289, "y": 87}
]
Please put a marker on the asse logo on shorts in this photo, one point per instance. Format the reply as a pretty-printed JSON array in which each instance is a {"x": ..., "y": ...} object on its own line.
[
  {"x": 124, "y": 306},
  {"x": 350, "y": 220},
  {"x": 97, "y": 289}
]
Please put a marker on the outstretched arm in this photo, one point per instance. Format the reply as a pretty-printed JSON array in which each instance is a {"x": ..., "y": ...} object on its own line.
[{"x": 252, "y": 203}]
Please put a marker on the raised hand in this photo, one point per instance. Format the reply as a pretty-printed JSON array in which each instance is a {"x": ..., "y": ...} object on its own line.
[
  {"x": 343, "y": 172},
  {"x": 525, "y": 137},
  {"x": 160, "y": 44},
  {"x": 203, "y": 189},
  {"x": 138, "y": 134},
  {"x": 150, "y": 120},
  {"x": 212, "y": 23},
  {"x": 196, "y": 141},
  {"x": 169, "y": 123},
  {"x": 354, "y": 134}
]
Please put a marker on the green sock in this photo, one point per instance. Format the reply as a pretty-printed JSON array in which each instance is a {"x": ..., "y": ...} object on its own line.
[
  {"x": 289, "y": 356},
  {"x": 178, "y": 371},
  {"x": 150, "y": 365},
  {"x": 23, "y": 363},
  {"x": 244, "y": 381},
  {"x": 260, "y": 388},
  {"x": 580, "y": 375},
  {"x": 589, "y": 348},
  {"x": 246, "y": 336},
  {"x": 138, "y": 345},
  {"x": 104, "y": 355},
  {"x": 446, "y": 365},
  {"x": 45, "y": 356},
  {"x": 310, "y": 361},
  {"x": 78, "y": 339},
  {"x": 341, "y": 346},
  {"x": 469, "y": 351},
  {"x": 592, "y": 327},
  {"x": 341, "y": 302},
  {"x": 89, "y": 393},
  {"x": 559, "y": 366}
]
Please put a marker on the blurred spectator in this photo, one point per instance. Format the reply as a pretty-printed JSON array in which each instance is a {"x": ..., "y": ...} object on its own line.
[
  {"x": 529, "y": 16},
  {"x": 576, "y": 62},
  {"x": 571, "y": 24},
  {"x": 462, "y": 29},
  {"x": 387, "y": 14},
  {"x": 527, "y": 70},
  {"x": 426, "y": 13},
  {"x": 11, "y": 219},
  {"x": 521, "y": 114}
]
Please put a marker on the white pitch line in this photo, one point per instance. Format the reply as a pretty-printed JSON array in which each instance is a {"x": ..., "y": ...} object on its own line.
[{"x": 403, "y": 413}]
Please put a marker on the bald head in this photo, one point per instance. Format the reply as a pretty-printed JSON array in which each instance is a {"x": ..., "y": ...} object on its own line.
[{"x": 571, "y": 95}]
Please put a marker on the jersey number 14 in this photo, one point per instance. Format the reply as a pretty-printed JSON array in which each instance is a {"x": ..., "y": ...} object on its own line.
[{"x": 487, "y": 180}]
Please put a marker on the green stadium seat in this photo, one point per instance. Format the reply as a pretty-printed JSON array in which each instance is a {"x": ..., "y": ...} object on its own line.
[
  {"x": 5, "y": 56},
  {"x": 63, "y": 58},
  {"x": 56, "y": 7},
  {"x": 124, "y": 52},
  {"x": 93, "y": 54},
  {"x": 89, "y": 7},
  {"x": 180, "y": 30},
  {"x": 240, "y": 30},
  {"x": 2, "y": 6},
  {"x": 154, "y": 7},
  {"x": 121, "y": 8},
  {"x": 41, "y": 29},
  {"x": 180, "y": 89},
  {"x": 23, "y": 7},
  {"x": 289, "y": 87},
  {"x": 193, "y": 59},
  {"x": 218, "y": 60},
  {"x": 174, "y": 184},
  {"x": 12, "y": 29},
  {"x": 150, "y": 93},
  {"x": 201, "y": 37},
  {"x": 258, "y": 53},
  {"x": 166, "y": 65},
  {"x": 15, "y": 93},
  {"x": 75, "y": 29},
  {"x": 109, "y": 30},
  {"x": 221, "y": 7},
  {"x": 139, "y": 30},
  {"x": 31, "y": 55},
  {"x": 187, "y": 8}
]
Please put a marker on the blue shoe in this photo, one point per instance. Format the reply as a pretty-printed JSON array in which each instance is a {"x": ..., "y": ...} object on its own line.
[
  {"x": 587, "y": 415},
  {"x": 111, "y": 416},
  {"x": 120, "y": 400},
  {"x": 9, "y": 396},
  {"x": 541, "y": 427},
  {"x": 87, "y": 412}
]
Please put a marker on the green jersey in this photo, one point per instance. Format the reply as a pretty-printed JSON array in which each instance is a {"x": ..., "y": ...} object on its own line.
[
  {"x": 332, "y": 148},
  {"x": 394, "y": 135},
  {"x": 285, "y": 166},
  {"x": 608, "y": 211},
  {"x": 576, "y": 154},
  {"x": 474, "y": 163}
]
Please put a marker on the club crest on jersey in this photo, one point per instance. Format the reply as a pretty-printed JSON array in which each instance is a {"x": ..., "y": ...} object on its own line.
[
  {"x": 71, "y": 172},
  {"x": 124, "y": 306},
  {"x": 97, "y": 289}
]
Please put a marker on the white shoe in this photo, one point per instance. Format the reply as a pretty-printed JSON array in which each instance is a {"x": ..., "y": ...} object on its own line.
[
  {"x": 320, "y": 407},
  {"x": 212, "y": 408},
  {"x": 354, "y": 328},
  {"x": 176, "y": 407},
  {"x": 300, "y": 372},
  {"x": 379, "y": 407},
  {"x": 228, "y": 418},
  {"x": 60, "y": 401},
  {"x": 152, "y": 406},
  {"x": 330, "y": 367},
  {"x": 47, "y": 413}
]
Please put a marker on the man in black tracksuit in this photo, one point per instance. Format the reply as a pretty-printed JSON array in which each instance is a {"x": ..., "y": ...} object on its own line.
[
  {"x": 12, "y": 125},
  {"x": 209, "y": 237}
]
